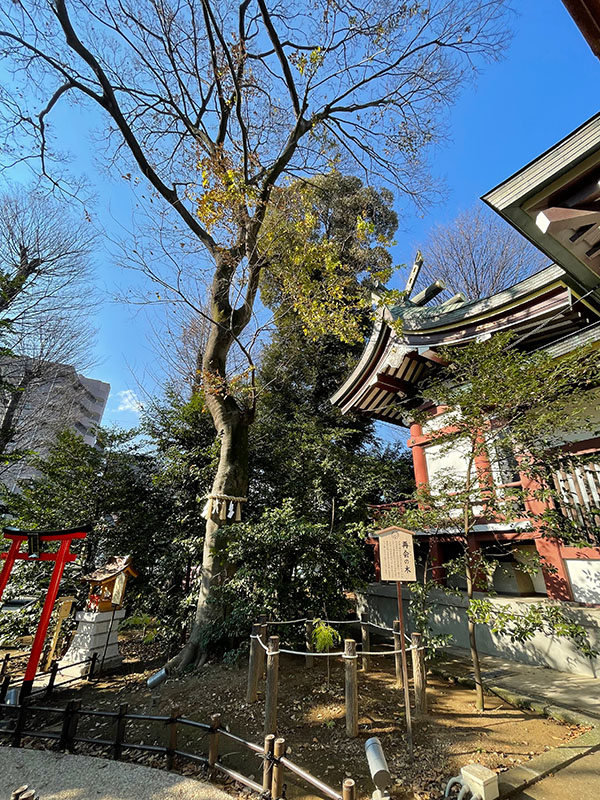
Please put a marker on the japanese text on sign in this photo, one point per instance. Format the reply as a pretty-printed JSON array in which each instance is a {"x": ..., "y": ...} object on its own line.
[{"x": 396, "y": 556}]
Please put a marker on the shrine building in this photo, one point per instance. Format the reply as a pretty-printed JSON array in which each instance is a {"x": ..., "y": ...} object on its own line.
[{"x": 555, "y": 203}]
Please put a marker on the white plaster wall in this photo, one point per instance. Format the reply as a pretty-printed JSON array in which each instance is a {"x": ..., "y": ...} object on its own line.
[
  {"x": 590, "y": 420},
  {"x": 441, "y": 461},
  {"x": 585, "y": 579},
  {"x": 506, "y": 580},
  {"x": 448, "y": 465},
  {"x": 437, "y": 422}
]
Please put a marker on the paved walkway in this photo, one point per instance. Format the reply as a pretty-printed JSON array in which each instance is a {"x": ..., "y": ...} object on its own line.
[
  {"x": 569, "y": 772},
  {"x": 575, "y": 692},
  {"x": 56, "y": 776},
  {"x": 578, "y": 781}
]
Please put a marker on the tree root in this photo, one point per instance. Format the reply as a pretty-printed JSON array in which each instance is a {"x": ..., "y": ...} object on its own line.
[{"x": 191, "y": 655}]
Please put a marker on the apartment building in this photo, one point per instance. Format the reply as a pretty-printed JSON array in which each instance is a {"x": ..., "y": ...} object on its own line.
[{"x": 37, "y": 401}]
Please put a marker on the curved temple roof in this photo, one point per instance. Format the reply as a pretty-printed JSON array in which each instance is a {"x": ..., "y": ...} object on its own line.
[
  {"x": 555, "y": 202},
  {"x": 542, "y": 309}
]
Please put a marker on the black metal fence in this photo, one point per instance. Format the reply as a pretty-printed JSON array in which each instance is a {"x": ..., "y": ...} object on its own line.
[{"x": 64, "y": 726}]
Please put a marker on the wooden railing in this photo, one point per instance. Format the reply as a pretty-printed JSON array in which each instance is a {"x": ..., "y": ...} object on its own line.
[
  {"x": 578, "y": 495},
  {"x": 29, "y": 720}
]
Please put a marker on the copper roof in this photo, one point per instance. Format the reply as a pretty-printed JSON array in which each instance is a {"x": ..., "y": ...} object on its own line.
[
  {"x": 113, "y": 567},
  {"x": 540, "y": 310}
]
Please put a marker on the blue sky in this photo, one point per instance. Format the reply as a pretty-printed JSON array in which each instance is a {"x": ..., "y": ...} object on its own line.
[{"x": 546, "y": 86}]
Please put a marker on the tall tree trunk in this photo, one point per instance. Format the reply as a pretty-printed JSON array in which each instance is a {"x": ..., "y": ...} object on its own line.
[
  {"x": 479, "y": 700},
  {"x": 467, "y": 525},
  {"x": 231, "y": 478}
]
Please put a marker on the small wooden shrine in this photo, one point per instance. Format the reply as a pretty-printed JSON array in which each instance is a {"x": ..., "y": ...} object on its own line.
[{"x": 107, "y": 583}]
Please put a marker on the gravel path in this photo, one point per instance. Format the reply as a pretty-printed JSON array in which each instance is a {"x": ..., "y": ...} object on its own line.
[{"x": 58, "y": 776}]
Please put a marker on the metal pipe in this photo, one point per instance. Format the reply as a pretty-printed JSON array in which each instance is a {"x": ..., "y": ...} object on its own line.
[
  {"x": 464, "y": 792},
  {"x": 378, "y": 767},
  {"x": 456, "y": 779},
  {"x": 156, "y": 679},
  {"x": 306, "y": 776}
]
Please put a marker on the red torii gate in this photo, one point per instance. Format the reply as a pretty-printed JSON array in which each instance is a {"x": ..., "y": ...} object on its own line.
[{"x": 34, "y": 553}]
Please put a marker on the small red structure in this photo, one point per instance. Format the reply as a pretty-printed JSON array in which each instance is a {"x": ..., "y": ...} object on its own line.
[{"x": 35, "y": 552}]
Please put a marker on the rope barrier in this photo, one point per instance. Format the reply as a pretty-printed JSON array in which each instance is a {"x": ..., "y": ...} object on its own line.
[
  {"x": 311, "y": 619},
  {"x": 333, "y": 622},
  {"x": 336, "y": 654},
  {"x": 379, "y": 627},
  {"x": 290, "y": 652}
]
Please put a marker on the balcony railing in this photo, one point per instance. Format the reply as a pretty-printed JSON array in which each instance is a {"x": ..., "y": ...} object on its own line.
[{"x": 578, "y": 494}]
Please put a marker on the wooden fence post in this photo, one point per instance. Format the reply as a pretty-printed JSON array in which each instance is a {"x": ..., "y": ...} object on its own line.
[
  {"x": 419, "y": 674},
  {"x": 72, "y": 725},
  {"x": 172, "y": 746},
  {"x": 309, "y": 627},
  {"x": 351, "y": 688},
  {"x": 365, "y": 635},
  {"x": 398, "y": 654},
  {"x": 213, "y": 744},
  {"x": 254, "y": 665},
  {"x": 52, "y": 678},
  {"x": 277, "y": 781},
  {"x": 264, "y": 632},
  {"x": 268, "y": 762},
  {"x": 271, "y": 689},
  {"x": 19, "y": 724},
  {"x": 119, "y": 731},
  {"x": 349, "y": 789}
]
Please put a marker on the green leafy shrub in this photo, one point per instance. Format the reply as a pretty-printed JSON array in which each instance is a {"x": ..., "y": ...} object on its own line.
[{"x": 288, "y": 568}]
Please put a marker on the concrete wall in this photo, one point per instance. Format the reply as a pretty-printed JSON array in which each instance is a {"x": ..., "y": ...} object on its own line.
[
  {"x": 584, "y": 575},
  {"x": 450, "y": 617}
]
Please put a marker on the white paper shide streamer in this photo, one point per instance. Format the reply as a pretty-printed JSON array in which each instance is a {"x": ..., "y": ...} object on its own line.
[{"x": 224, "y": 506}]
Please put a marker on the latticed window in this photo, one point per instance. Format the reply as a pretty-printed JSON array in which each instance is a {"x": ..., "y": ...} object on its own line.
[{"x": 578, "y": 494}]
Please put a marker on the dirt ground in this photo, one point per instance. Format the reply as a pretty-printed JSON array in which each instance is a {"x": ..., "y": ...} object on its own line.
[{"x": 311, "y": 718}]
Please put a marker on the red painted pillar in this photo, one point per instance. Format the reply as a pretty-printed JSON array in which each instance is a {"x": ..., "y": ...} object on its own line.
[
  {"x": 437, "y": 560},
  {"x": 479, "y": 578},
  {"x": 418, "y": 455},
  {"x": 484, "y": 471},
  {"x": 15, "y": 546},
  {"x": 42, "y": 629},
  {"x": 555, "y": 572}
]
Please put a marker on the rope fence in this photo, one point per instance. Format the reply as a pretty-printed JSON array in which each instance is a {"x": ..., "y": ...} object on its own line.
[
  {"x": 264, "y": 659},
  {"x": 340, "y": 654},
  {"x": 274, "y": 623}
]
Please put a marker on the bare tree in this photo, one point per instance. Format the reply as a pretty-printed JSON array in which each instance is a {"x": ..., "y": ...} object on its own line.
[
  {"x": 478, "y": 254},
  {"x": 46, "y": 300},
  {"x": 214, "y": 104},
  {"x": 44, "y": 258}
]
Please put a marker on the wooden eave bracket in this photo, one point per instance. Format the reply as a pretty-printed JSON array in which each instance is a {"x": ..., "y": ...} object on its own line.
[{"x": 558, "y": 218}]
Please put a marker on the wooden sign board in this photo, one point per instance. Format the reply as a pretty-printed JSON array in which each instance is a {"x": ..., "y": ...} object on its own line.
[
  {"x": 397, "y": 555},
  {"x": 119, "y": 589}
]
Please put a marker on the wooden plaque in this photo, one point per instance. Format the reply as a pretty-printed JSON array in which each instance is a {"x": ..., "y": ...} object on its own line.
[
  {"x": 118, "y": 589},
  {"x": 396, "y": 555}
]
